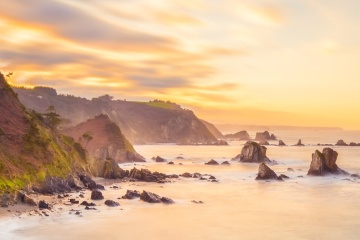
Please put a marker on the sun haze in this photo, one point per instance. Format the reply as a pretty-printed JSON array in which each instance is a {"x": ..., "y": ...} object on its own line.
[{"x": 266, "y": 62}]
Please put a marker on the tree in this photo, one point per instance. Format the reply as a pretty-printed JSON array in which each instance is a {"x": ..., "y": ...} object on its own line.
[
  {"x": 85, "y": 139},
  {"x": 52, "y": 119}
]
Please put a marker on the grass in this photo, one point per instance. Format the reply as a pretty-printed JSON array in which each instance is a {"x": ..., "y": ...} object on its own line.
[{"x": 160, "y": 104}]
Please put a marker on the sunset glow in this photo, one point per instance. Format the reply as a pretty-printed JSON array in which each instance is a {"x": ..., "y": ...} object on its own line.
[{"x": 263, "y": 62}]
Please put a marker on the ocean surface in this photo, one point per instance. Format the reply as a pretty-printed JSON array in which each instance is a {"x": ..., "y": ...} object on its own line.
[{"x": 238, "y": 207}]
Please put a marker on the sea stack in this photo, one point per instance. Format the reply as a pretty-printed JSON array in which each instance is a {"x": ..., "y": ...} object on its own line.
[
  {"x": 253, "y": 152},
  {"x": 324, "y": 163}
]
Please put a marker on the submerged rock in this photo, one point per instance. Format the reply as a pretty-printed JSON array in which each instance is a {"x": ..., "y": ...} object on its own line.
[
  {"x": 159, "y": 159},
  {"x": 212, "y": 162},
  {"x": 254, "y": 153},
  {"x": 96, "y": 195},
  {"x": 265, "y": 173},
  {"x": 150, "y": 197},
  {"x": 324, "y": 163}
]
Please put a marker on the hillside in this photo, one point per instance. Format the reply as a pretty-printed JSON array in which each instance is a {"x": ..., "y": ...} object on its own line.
[
  {"x": 30, "y": 151},
  {"x": 141, "y": 122},
  {"x": 103, "y": 139}
]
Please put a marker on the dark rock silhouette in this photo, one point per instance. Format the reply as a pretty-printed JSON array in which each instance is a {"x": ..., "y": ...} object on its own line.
[
  {"x": 260, "y": 136},
  {"x": 281, "y": 143},
  {"x": 252, "y": 152},
  {"x": 96, "y": 195},
  {"x": 242, "y": 135},
  {"x": 299, "y": 143},
  {"x": 212, "y": 162},
  {"x": 341, "y": 143},
  {"x": 324, "y": 163},
  {"x": 265, "y": 173}
]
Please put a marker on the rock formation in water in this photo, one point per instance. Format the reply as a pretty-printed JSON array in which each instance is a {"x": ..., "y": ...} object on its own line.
[
  {"x": 32, "y": 152},
  {"x": 265, "y": 173},
  {"x": 242, "y": 135},
  {"x": 264, "y": 143},
  {"x": 341, "y": 143},
  {"x": 261, "y": 136},
  {"x": 299, "y": 143},
  {"x": 106, "y": 168},
  {"x": 159, "y": 159},
  {"x": 324, "y": 163},
  {"x": 103, "y": 139},
  {"x": 141, "y": 122},
  {"x": 252, "y": 152},
  {"x": 281, "y": 143},
  {"x": 212, "y": 162}
]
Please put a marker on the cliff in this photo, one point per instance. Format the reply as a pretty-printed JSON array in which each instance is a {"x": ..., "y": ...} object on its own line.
[
  {"x": 141, "y": 122},
  {"x": 103, "y": 139},
  {"x": 31, "y": 153}
]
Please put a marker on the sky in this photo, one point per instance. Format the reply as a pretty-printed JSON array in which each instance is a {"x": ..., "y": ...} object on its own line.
[{"x": 260, "y": 62}]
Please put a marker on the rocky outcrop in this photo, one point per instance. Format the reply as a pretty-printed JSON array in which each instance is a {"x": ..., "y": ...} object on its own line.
[
  {"x": 324, "y": 163},
  {"x": 154, "y": 198},
  {"x": 299, "y": 143},
  {"x": 103, "y": 139},
  {"x": 147, "y": 176},
  {"x": 111, "y": 203},
  {"x": 242, "y": 135},
  {"x": 106, "y": 168},
  {"x": 225, "y": 163},
  {"x": 212, "y": 162},
  {"x": 211, "y": 127},
  {"x": 281, "y": 143},
  {"x": 341, "y": 143},
  {"x": 265, "y": 173},
  {"x": 252, "y": 152},
  {"x": 264, "y": 143},
  {"x": 261, "y": 136}
]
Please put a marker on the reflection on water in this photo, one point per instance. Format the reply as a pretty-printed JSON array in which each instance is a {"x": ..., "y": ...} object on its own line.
[{"x": 238, "y": 207}]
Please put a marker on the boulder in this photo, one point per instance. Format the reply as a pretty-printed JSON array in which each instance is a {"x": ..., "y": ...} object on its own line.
[
  {"x": 281, "y": 143},
  {"x": 150, "y": 197},
  {"x": 43, "y": 205},
  {"x": 88, "y": 182},
  {"x": 324, "y": 163},
  {"x": 265, "y": 173},
  {"x": 146, "y": 176},
  {"x": 254, "y": 153},
  {"x": 111, "y": 203},
  {"x": 186, "y": 175},
  {"x": 131, "y": 194},
  {"x": 24, "y": 198},
  {"x": 225, "y": 163},
  {"x": 171, "y": 163},
  {"x": 341, "y": 143},
  {"x": 96, "y": 195},
  {"x": 299, "y": 143},
  {"x": 159, "y": 159},
  {"x": 352, "y": 144},
  {"x": 88, "y": 204},
  {"x": 212, "y": 162},
  {"x": 197, "y": 175}
]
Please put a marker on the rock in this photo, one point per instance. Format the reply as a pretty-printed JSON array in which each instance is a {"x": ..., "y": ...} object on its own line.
[
  {"x": 225, "y": 163},
  {"x": 221, "y": 142},
  {"x": 111, "y": 203},
  {"x": 242, "y": 135},
  {"x": 358, "y": 144},
  {"x": 88, "y": 182},
  {"x": 159, "y": 159},
  {"x": 324, "y": 163},
  {"x": 172, "y": 163},
  {"x": 283, "y": 176},
  {"x": 212, "y": 162},
  {"x": 24, "y": 198},
  {"x": 202, "y": 178},
  {"x": 90, "y": 208},
  {"x": 150, "y": 197},
  {"x": 265, "y": 173},
  {"x": 131, "y": 194},
  {"x": 290, "y": 170},
  {"x": 73, "y": 201},
  {"x": 340, "y": 143},
  {"x": 186, "y": 175},
  {"x": 261, "y": 136},
  {"x": 146, "y": 175},
  {"x": 43, "y": 205},
  {"x": 281, "y": 143},
  {"x": 167, "y": 200},
  {"x": 179, "y": 157},
  {"x": 299, "y": 143},
  {"x": 212, "y": 177},
  {"x": 352, "y": 144},
  {"x": 254, "y": 153},
  {"x": 96, "y": 195},
  {"x": 106, "y": 168},
  {"x": 264, "y": 142},
  {"x": 88, "y": 204},
  {"x": 355, "y": 175},
  {"x": 214, "y": 180},
  {"x": 196, "y": 175}
]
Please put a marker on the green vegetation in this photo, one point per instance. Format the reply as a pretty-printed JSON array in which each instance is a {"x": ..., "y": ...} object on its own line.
[
  {"x": 52, "y": 119},
  {"x": 161, "y": 104}
]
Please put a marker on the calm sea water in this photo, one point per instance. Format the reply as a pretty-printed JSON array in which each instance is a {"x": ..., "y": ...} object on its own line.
[{"x": 238, "y": 207}]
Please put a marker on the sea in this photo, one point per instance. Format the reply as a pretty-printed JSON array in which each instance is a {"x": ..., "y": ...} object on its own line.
[{"x": 236, "y": 207}]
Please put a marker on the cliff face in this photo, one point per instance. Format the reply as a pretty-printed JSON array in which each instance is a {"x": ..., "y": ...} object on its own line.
[
  {"x": 30, "y": 152},
  {"x": 214, "y": 131},
  {"x": 140, "y": 122},
  {"x": 103, "y": 139}
]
